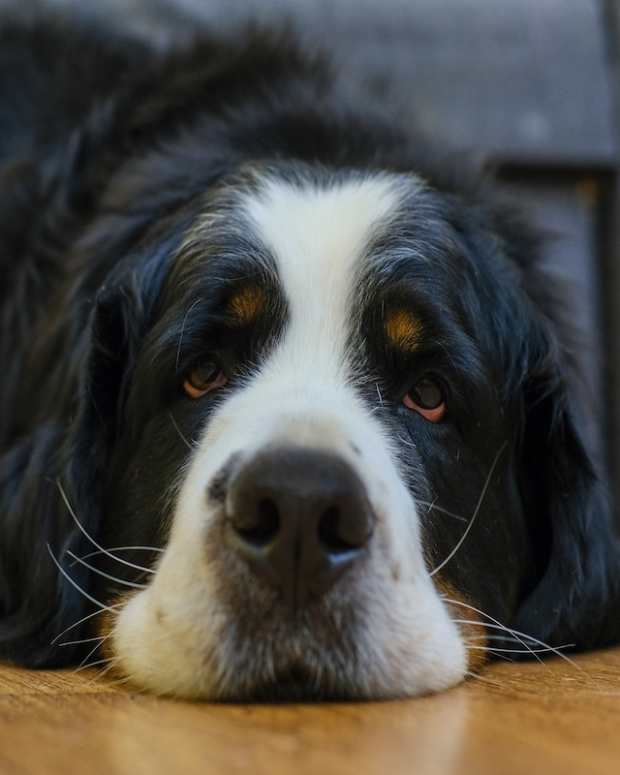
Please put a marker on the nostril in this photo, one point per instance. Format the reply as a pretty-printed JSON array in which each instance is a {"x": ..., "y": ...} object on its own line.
[
  {"x": 299, "y": 519},
  {"x": 261, "y": 528},
  {"x": 335, "y": 535}
]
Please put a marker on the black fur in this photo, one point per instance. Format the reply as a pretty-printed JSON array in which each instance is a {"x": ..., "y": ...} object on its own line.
[{"x": 106, "y": 152}]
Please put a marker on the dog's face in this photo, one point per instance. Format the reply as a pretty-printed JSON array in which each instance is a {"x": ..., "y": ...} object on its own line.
[
  {"x": 302, "y": 427},
  {"x": 316, "y": 435},
  {"x": 323, "y": 445}
]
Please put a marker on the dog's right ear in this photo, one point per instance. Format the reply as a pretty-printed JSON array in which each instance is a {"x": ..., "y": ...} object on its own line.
[
  {"x": 51, "y": 483},
  {"x": 37, "y": 530},
  {"x": 31, "y": 518}
]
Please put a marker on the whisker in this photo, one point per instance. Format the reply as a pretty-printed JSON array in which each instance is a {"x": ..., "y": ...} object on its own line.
[
  {"x": 129, "y": 679},
  {"x": 487, "y": 637},
  {"x": 519, "y": 651},
  {"x": 553, "y": 649},
  {"x": 83, "y": 640},
  {"x": 495, "y": 637},
  {"x": 432, "y": 506},
  {"x": 497, "y": 626},
  {"x": 505, "y": 657},
  {"x": 89, "y": 655},
  {"x": 379, "y": 394},
  {"x": 100, "y": 673},
  {"x": 490, "y": 618},
  {"x": 403, "y": 441},
  {"x": 74, "y": 584},
  {"x": 118, "y": 549},
  {"x": 475, "y": 514},
  {"x": 519, "y": 635},
  {"x": 83, "y": 619},
  {"x": 511, "y": 639},
  {"x": 132, "y": 584},
  {"x": 125, "y": 680},
  {"x": 111, "y": 661},
  {"x": 187, "y": 313},
  {"x": 182, "y": 436},
  {"x": 478, "y": 677},
  {"x": 90, "y": 538}
]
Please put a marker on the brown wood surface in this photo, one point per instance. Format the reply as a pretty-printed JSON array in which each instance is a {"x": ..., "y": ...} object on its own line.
[{"x": 519, "y": 718}]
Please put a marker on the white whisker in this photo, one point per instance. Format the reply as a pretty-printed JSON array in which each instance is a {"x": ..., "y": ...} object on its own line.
[
  {"x": 74, "y": 584},
  {"x": 111, "y": 661},
  {"x": 487, "y": 637},
  {"x": 518, "y": 636},
  {"x": 91, "y": 539},
  {"x": 100, "y": 673},
  {"x": 553, "y": 649},
  {"x": 432, "y": 506},
  {"x": 181, "y": 434},
  {"x": 126, "y": 680},
  {"x": 83, "y": 640},
  {"x": 497, "y": 626},
  {"x": 187, "y": 313},
  {"x": 107, "y": 575},
  {"x": 494, "y": 649},
  {"x": 490, "y": 618},
  {"x": 475, "y": 514},
  {"x": 82, "y": 620},
  {"x": 118, "y": 549},
  {"x": 88, "y": 656},
  {"x": 478, "y": 677},
  {"x": 379, "y": 393}
]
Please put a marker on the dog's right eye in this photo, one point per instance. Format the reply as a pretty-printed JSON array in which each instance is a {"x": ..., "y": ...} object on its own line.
[
  {"x": 203, "y": 379},
  {"x": 427, "y": 398}
]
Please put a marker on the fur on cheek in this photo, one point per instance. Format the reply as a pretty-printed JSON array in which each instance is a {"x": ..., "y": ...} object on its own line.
[{"x": 107, "y": 623}]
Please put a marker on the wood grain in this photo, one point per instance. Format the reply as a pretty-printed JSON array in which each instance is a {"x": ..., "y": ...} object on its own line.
[{"x": 521, "y": 718}]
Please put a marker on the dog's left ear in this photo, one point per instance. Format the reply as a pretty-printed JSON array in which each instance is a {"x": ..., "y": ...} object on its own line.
[{"x": 576, "y": 599}]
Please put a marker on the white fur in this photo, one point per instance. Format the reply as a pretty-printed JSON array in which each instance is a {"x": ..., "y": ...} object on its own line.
[{"x": 169, "y": 637}]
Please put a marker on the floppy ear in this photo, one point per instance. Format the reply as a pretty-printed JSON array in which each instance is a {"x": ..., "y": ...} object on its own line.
[
  {"x": 53, "y": 480},
  {"x": 33, "y": 604},
  {"x": 577, "y": 596}
]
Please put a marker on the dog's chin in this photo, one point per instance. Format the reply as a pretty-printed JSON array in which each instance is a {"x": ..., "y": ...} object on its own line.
[{"x": 297, "y": 683}]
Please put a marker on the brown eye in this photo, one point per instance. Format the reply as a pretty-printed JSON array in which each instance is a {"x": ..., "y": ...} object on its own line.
[
  {"x": 427, "y": 398},
  {"x": 203, "y": 379}
]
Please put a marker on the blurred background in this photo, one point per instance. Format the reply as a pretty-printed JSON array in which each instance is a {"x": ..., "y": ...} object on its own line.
[{"x": 528, "y": 87}]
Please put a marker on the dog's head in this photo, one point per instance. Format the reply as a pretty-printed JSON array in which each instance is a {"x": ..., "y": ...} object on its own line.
[{"x": 335, "y": 405}]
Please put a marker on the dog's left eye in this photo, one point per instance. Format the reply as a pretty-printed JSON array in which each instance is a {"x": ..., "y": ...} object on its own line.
[
  {"x": 427, "y": 398},
  {"x": 203, "y": 379}
]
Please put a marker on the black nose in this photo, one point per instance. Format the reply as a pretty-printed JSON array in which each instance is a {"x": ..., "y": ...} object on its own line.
[{"x": 300, "y": 518}]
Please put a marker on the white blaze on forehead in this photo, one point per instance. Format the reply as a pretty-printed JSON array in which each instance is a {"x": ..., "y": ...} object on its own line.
[{"x": 318, "y": 234}]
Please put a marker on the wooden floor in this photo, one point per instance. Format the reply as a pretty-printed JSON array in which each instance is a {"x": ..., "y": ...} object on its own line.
[{"x": 522, "y": 718}]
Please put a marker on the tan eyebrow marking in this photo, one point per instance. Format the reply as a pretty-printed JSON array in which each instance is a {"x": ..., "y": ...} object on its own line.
[
  {"x": 403, "y": 329},
  {"x": 247, "y": 304}
]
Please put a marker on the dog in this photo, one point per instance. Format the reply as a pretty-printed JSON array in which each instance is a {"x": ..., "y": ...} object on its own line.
[{"x": 288, "y": 405}]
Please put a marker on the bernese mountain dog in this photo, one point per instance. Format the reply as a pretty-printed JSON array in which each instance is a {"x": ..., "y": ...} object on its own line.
[{"x": 288, "y": 409}]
